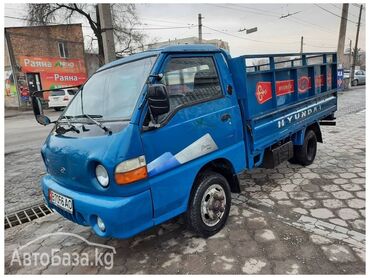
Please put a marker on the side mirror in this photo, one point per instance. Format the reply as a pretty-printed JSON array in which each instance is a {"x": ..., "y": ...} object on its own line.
[
  {"x": 158, "y": 100},
  {"x": 38, "y": 111}
]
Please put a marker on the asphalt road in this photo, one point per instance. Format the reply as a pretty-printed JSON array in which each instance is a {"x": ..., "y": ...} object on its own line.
[{"x": 23, "y": 132}]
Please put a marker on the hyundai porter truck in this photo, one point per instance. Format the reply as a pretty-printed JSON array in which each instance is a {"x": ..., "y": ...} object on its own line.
[{"x": 166, "y": 132}]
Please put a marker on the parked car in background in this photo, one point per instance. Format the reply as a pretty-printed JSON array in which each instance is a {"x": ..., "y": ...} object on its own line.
[
  {"x": 359, "y": 77},
  {"x": 61, "y": 98}
]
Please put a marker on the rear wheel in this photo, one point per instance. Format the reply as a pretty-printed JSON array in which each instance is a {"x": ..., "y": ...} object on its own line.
[
  {"x": 306, "y": 153},
  {"x": 209, "y": 205}
]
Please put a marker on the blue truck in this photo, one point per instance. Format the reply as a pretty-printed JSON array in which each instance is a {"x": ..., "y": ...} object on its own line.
[{"x": 166, "y": 132}]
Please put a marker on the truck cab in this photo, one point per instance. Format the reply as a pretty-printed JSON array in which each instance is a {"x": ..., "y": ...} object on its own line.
[{"x": 165, "y": 132}]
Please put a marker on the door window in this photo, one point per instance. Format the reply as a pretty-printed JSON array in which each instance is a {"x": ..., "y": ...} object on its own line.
[{"x": 190, "y": 81}]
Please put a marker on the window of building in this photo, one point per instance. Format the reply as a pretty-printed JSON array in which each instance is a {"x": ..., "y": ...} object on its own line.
[
  {"x": 190, "y": 80},
  {"x": 63, "y": 52}
]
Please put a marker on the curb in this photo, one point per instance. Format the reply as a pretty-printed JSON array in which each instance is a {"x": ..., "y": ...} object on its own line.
[{"x": 20, "y": 113}]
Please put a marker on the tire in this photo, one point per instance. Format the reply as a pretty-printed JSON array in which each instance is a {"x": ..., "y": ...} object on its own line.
[
  {"x": 209, "y": 204},
  {"x": 306, "y": 153},
  {"x": 355, "y": 82}
]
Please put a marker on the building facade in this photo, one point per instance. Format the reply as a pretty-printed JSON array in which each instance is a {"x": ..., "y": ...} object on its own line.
[{"x": 40, "y": 58}]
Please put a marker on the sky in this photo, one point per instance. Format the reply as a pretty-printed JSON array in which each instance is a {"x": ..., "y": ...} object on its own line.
[{"x": 317, "y": 23}]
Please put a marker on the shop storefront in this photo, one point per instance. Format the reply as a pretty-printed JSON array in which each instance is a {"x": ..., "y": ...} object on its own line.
[
  {"x": 42, "y": 58},
  {"x": 42, "y": 73}
]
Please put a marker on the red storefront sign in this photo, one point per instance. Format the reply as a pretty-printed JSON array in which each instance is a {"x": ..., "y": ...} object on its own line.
[
  {"x": 263, "y": 92},
  {"x": 304, "y": 84},
  {"x": 50, "y": 64},
  {"x": 58, "y": 80},
  {"x": 284, "y": 87}
]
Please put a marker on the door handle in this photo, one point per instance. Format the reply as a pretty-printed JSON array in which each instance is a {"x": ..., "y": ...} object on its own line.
[{"x": 225, "y": 117}]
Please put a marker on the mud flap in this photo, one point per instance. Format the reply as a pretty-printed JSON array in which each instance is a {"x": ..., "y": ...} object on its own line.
[{"x": 277, "y": 155}]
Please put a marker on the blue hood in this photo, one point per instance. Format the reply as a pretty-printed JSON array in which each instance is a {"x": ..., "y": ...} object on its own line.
[{"x": 71, "y": 160}]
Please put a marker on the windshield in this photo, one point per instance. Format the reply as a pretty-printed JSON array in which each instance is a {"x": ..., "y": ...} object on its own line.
[{"x": 112, "y": 93}]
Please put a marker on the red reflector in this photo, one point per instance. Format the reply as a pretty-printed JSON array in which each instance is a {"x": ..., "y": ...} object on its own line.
[
  {"x": 65, "y": 98},
  {"x": 50, "y": 195}
]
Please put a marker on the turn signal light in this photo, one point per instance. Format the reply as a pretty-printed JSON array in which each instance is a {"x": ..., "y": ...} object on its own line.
[{"x": 131, "y": 170}]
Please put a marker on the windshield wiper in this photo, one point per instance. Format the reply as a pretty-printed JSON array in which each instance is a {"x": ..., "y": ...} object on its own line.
[
  {"x": 91, "y": 118},
  {"x": 62, "y": 130}
]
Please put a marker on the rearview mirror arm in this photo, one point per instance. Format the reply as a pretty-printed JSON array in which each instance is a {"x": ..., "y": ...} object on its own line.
[{"x": 152, "y": 119}]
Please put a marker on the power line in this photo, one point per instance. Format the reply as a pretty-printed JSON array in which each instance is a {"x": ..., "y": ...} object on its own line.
[
  {"x": 248, "y": 39},
  {"x": 341, "y": 10},
  {"x": 162, "y": 28},
  {"x": 244, "y": 11},
  {"x": 38, "y": 21},
  {"x": 166, "y": 21},
  {"x": 275, "y": 15},
  {"x": 85, "y": 26},
  {"x": 334, "y": 13},
  {"x": 260, "y": 10},
  {"x": 305, "y": 23}
]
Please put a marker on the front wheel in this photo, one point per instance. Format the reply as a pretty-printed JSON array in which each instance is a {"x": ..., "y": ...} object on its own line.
[
  {"x": 355, "y": 82},
  {"x": 209, "y": 205}
]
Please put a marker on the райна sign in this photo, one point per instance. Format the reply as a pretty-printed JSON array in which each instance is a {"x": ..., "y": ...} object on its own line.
[
  {"x": 58, "y": 80},
  {"x": 53, "y": 65}
]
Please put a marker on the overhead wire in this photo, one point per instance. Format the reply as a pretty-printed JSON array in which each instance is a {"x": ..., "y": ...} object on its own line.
[{"x": 330, "y": 12}]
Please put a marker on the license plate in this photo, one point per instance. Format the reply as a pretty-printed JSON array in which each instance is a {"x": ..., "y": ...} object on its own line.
[{"x": 61, "y": 201}]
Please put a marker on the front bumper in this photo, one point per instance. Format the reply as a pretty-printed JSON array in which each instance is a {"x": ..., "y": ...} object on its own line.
[{"x": 123, "y": 217}]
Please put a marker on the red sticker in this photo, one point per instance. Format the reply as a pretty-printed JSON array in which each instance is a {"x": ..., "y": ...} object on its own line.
[
  {"x": 304, "y": 84},
  {"x": 319, "y": 80},
  {"x": 328, "y": 78},
  {"x": 284, "y": 87},
  {"x": 50, "y": 195},
  {"x": 263, "y": 92}
]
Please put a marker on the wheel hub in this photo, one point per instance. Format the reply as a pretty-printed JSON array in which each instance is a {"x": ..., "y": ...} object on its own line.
[{"x": 213, "y": 205}]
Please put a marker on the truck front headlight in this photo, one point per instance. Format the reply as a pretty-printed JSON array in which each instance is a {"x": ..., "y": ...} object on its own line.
[{"x": 102, "y": 175}]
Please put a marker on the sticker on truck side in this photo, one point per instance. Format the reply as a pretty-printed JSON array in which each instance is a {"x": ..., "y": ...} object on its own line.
[
  {"x": 284, "y": 87},
  {"x": 166, "y": 161}
]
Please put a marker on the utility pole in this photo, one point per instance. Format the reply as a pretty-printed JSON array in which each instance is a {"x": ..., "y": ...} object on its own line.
[
  {"x": 342, "y": 34},
  {"x": 200, "y": 28},
  {"x": 107, "y": 32},
  {"x": 355, "y": 51},
  {"x": 301, "y": 44}
]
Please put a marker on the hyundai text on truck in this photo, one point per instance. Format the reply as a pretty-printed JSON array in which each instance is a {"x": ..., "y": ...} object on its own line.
[{"x": 166, "y": 132}]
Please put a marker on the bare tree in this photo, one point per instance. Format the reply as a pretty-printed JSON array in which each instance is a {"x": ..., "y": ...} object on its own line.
[{"x": 124, "y": 17}]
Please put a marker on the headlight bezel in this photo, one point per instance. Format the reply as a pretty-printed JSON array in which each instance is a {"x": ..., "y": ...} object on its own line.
[{"x": 102, "y": 175}]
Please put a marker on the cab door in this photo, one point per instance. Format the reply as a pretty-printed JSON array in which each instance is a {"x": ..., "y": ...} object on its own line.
[{"x": 203, "y": 120}]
